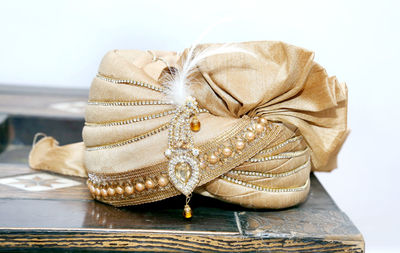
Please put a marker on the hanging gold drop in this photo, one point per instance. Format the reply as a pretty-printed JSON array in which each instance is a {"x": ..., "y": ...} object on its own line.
[
  {"x": 187, "y": 211},
  {"x": 195, "y": 124}
]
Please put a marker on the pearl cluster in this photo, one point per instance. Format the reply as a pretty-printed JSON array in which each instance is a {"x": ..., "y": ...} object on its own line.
[
  {"x": 127, "y": 188},
  {"x": 130, "y": 82},
  {"x": 269, "y": 175},
  {"x": 131, "y": 103},
  {"x": 260, "y": 188},
  {"x": 235, "y": 146}
]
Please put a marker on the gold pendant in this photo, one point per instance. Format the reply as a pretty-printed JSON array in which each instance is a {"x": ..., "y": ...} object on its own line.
[
  {"x": 187, "y": 212},
  {"x": 183, "y": 166},
  {"x": 195, "y": 124}
]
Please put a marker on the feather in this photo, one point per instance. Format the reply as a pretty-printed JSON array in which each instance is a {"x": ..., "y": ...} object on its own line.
[{"x": 180, "y": 80}]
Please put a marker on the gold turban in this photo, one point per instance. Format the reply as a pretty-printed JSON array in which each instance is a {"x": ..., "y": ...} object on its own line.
[{"x": 267, "y": 119}]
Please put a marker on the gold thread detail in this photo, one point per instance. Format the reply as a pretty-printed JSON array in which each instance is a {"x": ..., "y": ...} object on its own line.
[
  {"x": 136, "y": 119},
  {"x": 266, "y": 189},
  {"x": 270, "y": 175},
  {"x": 105, "y": 180},
  {"x": 130, "y": 82},
  {"x": 281, "y": 145},
  {"x": 250, "y": 151},
  {"x": 131, "y": 120},
  {"x": 286, "y": 155},
  {"x": 130, "y": 103},
  {"x": 129, "y": 141}
]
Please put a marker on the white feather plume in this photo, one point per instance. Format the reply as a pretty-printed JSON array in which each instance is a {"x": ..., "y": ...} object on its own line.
[{"x": 179, "y": 82}]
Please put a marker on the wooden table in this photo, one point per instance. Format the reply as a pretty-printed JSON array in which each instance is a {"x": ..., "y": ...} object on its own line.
[{"x": 43, "y": 211}]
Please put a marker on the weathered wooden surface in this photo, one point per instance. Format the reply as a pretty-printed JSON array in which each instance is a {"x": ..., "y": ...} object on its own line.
[
  {"x": 43, "y": 102},
  {"x": 58, "y": 219}
]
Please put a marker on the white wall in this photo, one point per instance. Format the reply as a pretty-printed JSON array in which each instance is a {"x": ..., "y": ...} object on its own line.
[{"x": 60, "y": 44}]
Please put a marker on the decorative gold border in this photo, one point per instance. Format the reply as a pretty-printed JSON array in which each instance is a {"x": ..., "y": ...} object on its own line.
[
  {"x": 131, "y": 120},
  {"x": 266, "y": 189},
  {"x": 284, "y": 155},
  {"x": 280, "y": 145},
  {"x": 130, "y": 82},
  {"x": 128, "y": 141},
  {"x": 138, "y": 180},
  {"x": 129, "y": 103},
  {"x": 270, "y": 175}
]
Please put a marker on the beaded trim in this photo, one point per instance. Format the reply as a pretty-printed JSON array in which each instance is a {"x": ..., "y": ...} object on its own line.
[
  {"x": 99, "y": 184},
  {"x": 130, "y": 82},
  {"x": 136, "y": 119},
  {"x": 266, "y": 189},
  {"x": 285, "y": 155},
  {"x": 270, "y": 175},
  {"x": 149, "y": 185},
  {"x": 240, "y": 144},
  {"x": 129, "y": 141},
  {"x": 132, "y": 120},
  {"x": 130, "y": 103},
  {"x": 281, "y": 145}
]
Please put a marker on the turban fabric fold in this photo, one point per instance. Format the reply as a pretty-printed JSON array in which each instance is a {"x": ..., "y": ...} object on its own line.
[{"x": 302, "y": 112}]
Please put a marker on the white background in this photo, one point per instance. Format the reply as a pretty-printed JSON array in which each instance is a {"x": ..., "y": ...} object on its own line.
[{"x": 60, "y": 44}]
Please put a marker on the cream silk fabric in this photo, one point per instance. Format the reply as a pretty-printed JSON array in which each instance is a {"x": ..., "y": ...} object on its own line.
[{"x": 281, "y": 83}]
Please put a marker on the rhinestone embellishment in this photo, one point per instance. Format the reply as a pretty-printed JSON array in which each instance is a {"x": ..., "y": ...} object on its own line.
[{"x": 183, "y": 166}]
